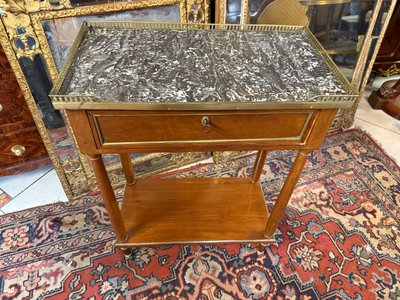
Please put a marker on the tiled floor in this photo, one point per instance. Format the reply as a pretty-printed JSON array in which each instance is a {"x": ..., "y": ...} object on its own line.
[
  {"x": 42, "y": 186},
  {"x": 30, "y": 189}
]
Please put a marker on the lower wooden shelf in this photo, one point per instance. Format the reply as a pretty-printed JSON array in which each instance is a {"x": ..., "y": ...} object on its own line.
[{"x": 193, "y": 210}]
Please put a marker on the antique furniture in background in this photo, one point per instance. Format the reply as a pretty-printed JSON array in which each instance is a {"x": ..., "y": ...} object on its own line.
[
  {"x": 387, "y": 61},
  {"x": 37, "y": 34},
  {"x": 21, "y": 147},
  {"x": 387, "y": 98},
  {"x": 149, "y": 98}
]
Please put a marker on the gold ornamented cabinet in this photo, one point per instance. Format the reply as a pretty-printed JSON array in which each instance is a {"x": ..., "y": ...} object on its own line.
[{"x": 21, "y": 147}]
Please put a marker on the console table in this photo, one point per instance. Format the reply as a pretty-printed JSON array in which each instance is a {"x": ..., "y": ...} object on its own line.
[{"x": 132, "y": 87}]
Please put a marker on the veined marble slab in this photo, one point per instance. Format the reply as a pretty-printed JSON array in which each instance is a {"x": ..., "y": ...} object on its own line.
[{"x": 203, "y": 66}]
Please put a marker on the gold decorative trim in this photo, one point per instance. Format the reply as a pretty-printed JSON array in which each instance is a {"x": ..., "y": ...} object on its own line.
[
  {"x": 65, "y": 102},
  {"x": 245, "y": 12},
  {"x": 45, "y": 49},
  {"x": 11, "y": 56},
  {"x": 30, "y": 6},
  {"x": 390, "y": 71},
  {"x": 183, "y": 11},
  {"x": 220, "y": 11},
  {"x": 103, "y": 8},
  {"x": 363, "y": 55}
]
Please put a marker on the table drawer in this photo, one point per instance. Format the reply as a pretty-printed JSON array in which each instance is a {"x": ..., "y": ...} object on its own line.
[{"x": 124, "y": 128}]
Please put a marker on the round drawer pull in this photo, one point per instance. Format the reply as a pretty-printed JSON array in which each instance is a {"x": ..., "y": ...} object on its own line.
[
  {"x": 205, "y": 121},
  {"x": 18, "y": 150},
  {"x": 1, "y": 107}
]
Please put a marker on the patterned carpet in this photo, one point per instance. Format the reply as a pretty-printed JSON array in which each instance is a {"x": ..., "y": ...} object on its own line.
[{"x": 339, "y": 239}]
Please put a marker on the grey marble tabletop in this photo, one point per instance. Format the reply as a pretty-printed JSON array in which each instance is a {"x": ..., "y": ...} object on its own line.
[{"x": 202, "y": 66}]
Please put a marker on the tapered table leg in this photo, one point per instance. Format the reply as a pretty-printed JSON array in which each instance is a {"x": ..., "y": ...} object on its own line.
[
  {"x": 108, "y": 197},
  {"x": 128, "y": 168},
  {"x": 258, "y": 165},
  {"x": 279, "y": 208}
]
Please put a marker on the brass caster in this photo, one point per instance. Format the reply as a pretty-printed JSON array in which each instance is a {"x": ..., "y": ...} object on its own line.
[
  {"x": 261, "y": 249},
  {"x": 127, "y": 252}
]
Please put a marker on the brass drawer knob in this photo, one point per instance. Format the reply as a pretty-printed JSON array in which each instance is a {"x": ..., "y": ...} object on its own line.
[
  {"x": 1, "y": 107},
  {"x": 18, "y": 150},
  {"x": 205, "y": 121}
]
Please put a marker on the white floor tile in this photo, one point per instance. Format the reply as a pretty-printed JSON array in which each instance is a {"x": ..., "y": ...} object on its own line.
[
  {"x": 377, "y": 117},
  {"x": 46, "y": 190},
  {"x": 15, "y": 184},
  {"x": 389, "y": 140}
]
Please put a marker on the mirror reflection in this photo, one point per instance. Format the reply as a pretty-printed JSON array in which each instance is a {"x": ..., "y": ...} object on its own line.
[
  {"x": 233, "y": 11},
  {"x": 60, "y": 33}
]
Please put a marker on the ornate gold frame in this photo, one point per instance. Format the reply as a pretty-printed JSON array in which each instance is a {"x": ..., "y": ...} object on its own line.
[
  {"x": 345, "y": 117},
  {"x": 21, "y": 19}
]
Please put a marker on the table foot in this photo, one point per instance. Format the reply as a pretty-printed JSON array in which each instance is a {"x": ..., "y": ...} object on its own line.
[
  {"x": 261, "y": 248},
  {"x": 127, "y": 251}
]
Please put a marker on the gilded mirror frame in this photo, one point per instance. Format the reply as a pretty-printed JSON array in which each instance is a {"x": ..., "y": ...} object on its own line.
[
  {"x": 23, "y": 20},
  {"x": 363, "y": 66}
]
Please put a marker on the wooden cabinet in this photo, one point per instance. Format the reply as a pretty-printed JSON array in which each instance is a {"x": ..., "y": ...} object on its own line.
[
  {"x": 387, "y": 61},
  {"x": 21, "y": 147}
]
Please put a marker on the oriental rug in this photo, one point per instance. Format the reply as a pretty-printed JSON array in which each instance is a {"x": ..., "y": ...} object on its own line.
[{"x": 339, "y": 239}]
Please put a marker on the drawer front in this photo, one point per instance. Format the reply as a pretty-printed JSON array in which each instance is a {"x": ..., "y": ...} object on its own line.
[{"x": 124, "y": 129}]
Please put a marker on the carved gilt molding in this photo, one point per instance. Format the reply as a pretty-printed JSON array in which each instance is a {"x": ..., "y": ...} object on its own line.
[
  {"x": 15, "y": 15},
  {"x": 392, "y": 70},
  {"x": 197, "y": 11}
]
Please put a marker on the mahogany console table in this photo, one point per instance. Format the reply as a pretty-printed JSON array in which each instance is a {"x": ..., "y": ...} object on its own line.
[{"x": 128, "y": 87}]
